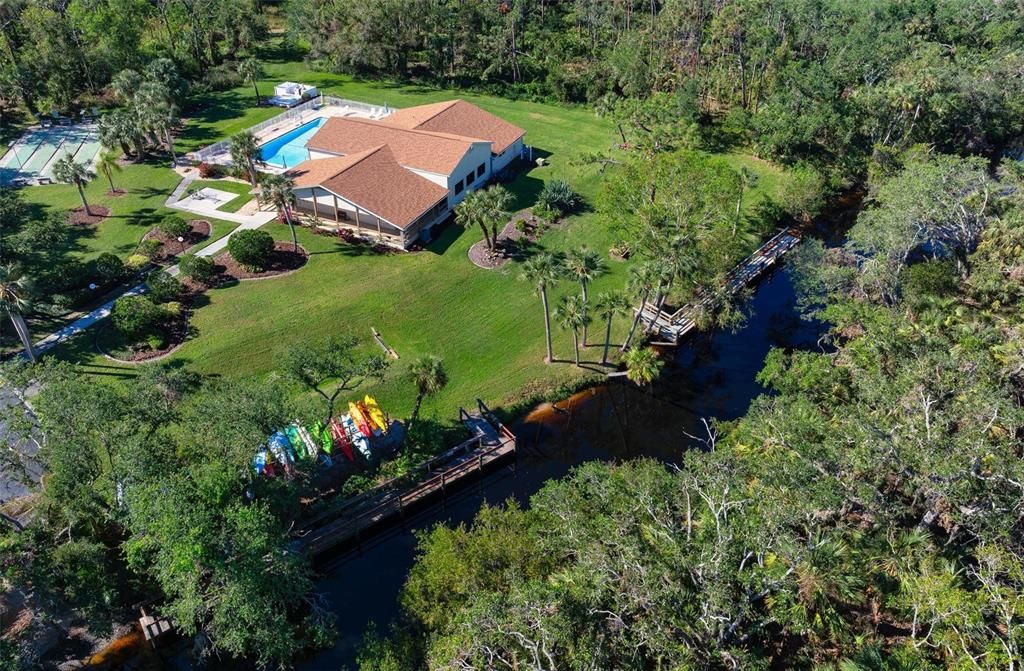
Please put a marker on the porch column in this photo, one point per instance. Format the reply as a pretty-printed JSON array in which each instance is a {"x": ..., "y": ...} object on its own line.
[
  {"x": 359, "y": 226},
  {"x": 380, "y": 235},
  {"x": 336, "y": 219},
  {"x": 316, "y": 213}
]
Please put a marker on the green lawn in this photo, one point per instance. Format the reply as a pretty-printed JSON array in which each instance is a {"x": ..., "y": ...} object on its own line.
[
  {"x": 240, "y": 188},
  {"x": 132, "y": 215},
  {"x": 486, "y": 325}
]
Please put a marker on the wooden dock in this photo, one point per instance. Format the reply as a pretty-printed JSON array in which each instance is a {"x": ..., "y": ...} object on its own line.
[
  {"x": 491, "y": 443},
  {"x": 671, "y": 327}
]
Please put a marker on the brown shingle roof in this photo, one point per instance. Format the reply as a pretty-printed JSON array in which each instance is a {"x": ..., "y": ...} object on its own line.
[
  {"x": 460, "y": 118},
  {"x": 424, "y": 150},
  {"x": 373, "y": 180}
]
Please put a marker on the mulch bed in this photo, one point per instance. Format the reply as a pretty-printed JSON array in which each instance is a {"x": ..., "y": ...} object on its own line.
[
  {"x": 170, "y": 247},
  {"x": 176, "y": 331},
  {"x": 79, "y": 217},
  {"x": 284, "y": 260},
  {"x": 116, "y": 193},
  {"x": 507, "y": 242}
]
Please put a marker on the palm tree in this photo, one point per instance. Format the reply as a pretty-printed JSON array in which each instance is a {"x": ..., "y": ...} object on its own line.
[
  {"x": 251, "y": 71},
  {"x": 643, "y": 365},
  {"x": 572, "y": 315},
  {"x": 542, "y": 271},
  {"x": 69, "y": 172},
  {"x": 278, "y": 190},
  {"x": 496, "y": 200},
  {"x": 643, "y": 278},
  {"x": 117, "y": 128},
  {"x": 430, "y": 377},
  {"x": 584, "y": 265},
  {"x": 164, "y": 119},
  {"x": 14, "y": 290},
  {"x": 486, "y": 208},
  {"x": 677, "y": 259},
  {"x": 609, "y": 305},
  {"x": 244, "y": 152},
  {"x": 108, "y": 165}
]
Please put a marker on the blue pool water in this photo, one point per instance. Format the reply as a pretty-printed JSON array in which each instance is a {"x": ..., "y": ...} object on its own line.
[{"x": 288, "y": 150}]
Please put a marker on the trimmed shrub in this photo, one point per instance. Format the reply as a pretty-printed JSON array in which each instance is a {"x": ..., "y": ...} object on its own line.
[
  {"x": 251, "y": 249},
  {"x": 149, "y": 248},
  {"x": 209, "y": 170},
  {"x": 545, "y": 214},
  {"x": 134, "y": 315},
  {"x": 197, "y": 268},
  {"x": 559, "y": 196},
  {"x": 162, "y": 286},
  {"x": 136, "y": 262},
  {"x": 108, "y": 267},
  {"x": 171, "y": 310},
  {"x": 174, "y": 227}
]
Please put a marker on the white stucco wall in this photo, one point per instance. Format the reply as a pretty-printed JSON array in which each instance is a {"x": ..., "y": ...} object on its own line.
[
  {"x": 502, "y": 160},
  {"x": 479, "y": 154}
]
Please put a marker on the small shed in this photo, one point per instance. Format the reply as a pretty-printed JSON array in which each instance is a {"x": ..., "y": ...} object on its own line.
[{"x": 294, "y": 91}]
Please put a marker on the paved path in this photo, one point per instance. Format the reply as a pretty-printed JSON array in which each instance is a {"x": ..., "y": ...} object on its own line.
[{"x": 245, "y": 222}]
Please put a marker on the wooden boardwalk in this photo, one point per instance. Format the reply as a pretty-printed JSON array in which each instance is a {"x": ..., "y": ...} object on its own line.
[
  {"x": 671, "y": 327},
  {"x": 491, "y": 443}
]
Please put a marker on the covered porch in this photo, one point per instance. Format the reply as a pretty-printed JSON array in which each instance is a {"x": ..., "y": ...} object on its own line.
[{"x": 333, "y": 211}]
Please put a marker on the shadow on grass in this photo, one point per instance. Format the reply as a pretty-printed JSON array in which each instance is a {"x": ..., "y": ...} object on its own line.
[{"x": 448, "y": 233}]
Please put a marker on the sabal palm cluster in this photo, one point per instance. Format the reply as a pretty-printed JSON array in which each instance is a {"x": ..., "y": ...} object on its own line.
[{"x": 149, "y": 112}]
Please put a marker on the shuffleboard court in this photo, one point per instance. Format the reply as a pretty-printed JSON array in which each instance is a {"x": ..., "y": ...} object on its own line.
[{"x": 31, "y": 158}]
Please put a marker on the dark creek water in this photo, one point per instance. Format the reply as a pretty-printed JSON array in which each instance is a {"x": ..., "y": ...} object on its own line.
[{"x": 713, "y": 375}]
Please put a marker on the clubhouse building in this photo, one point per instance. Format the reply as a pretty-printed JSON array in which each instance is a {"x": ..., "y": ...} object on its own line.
[{"x": 396, "y": 176}]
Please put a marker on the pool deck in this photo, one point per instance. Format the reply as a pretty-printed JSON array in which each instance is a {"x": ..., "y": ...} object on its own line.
[{"x": 289, "y": 122}]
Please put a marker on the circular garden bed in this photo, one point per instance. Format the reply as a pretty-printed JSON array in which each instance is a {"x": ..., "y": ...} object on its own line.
[
  {"x": 79, "y": 217},
  {"x": 520, "y": 228},
  {"x": 115, "y": 345},
  {"x": 200, "y": 230},
  {"x": 283, "y": 260}
]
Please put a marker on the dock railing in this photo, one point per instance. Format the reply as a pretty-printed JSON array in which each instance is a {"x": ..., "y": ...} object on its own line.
[{"x": 392, "y": 498}]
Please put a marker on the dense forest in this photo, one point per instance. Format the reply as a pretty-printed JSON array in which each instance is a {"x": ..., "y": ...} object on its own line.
[
  {"x": 822, "y": 80},
  {"x": 867, "y": 513}
]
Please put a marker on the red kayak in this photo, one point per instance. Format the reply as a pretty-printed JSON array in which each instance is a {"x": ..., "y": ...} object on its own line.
[
  {"x": 340, "y": 439},
  {"x": 356, "y": 413}
]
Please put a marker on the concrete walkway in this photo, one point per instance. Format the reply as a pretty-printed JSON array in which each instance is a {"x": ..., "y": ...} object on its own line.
[{"x": 245, "y": 222}]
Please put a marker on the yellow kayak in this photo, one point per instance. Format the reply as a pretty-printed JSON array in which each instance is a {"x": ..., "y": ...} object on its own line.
[
  {"x": 375, "y": 413},
  {"x": 359, "y": 420}
]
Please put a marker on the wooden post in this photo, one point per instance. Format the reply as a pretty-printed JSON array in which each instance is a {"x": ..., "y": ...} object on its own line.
[
  {"x": 336, "y": 220},
  {"x": 480, "y": 471},
  {"x": 444, "y": 493}
]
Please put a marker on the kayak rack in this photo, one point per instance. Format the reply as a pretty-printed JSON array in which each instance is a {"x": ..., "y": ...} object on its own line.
[
  {"x": 671, "y": 327},
  {"x": 491, "y": 442}
]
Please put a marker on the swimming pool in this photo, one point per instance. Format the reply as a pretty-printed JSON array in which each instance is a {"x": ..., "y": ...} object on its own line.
[{"x": 288, "y": 150}]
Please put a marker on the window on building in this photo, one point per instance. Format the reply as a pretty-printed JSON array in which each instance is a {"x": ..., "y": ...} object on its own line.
[
  {"x": 480, "y": 170},
  {"x": 459, "y": 186},
  {"x": 469, "y": 179}
]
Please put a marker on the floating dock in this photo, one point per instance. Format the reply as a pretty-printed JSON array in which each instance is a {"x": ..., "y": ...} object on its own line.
[
  {"x": 671, "y": 327},
  {"x": 491, "y": 442}
]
